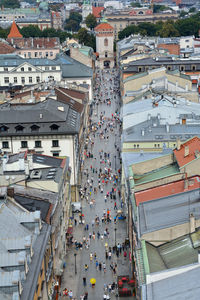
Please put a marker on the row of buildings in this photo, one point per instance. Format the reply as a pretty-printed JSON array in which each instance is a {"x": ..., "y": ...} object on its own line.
[
  {"x": 160, "y": 165},
  {"x": 45, "y": 105}
]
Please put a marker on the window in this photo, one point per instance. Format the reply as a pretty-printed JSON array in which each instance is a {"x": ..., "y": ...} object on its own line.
[
  {"x": 24, "y": 144},
  {"x": 5, "y": 145},
  {"x": 23, "y": 80},
  {"x": 169, "y": 68},
  {"x": 106, "y": 42},
  {"x": 30, "y": 69},
  {"x": 3, "y": 128},
  {"x": 15, "y": 79},
  {"x": 5, "y": 69},
  {"x": 54, "y": 127},
  {"x": 19, "y": 128},
  {"x": 38, "y": 79},
  {"x": 35, "y": 128},
  {"x": 30, "y": 79},
  {"x": 25, "y": 55},
  {"x": 53, "y": 68},
  {"x": 139, "y": 69},
  {"x": 46, "y": 68},
  {"x": 138, "y": 145},
  {"x": 158, "y": 145},
  {"x": 38, "y": 144},
  {"x": 55, "y": 153},
  {"x": 6, "y": 79},
  {"x": 51, "y": 53},
  {"x": 183, "y": 121},
  {"x": 22, "y": 69},
  {"x": 155, "y": 145},
  {"x": 106, "y": 54},
  {"x": 36, "y": 54},
  {"x": 40, "y": 53},
  {"x": 55, "y": 143},
  {"x": 134, "y": 145},
  {"x": 47, "y": 54},
  {"x": 182, "y": 68},
  {"x": 29, "y": 54},
  {"x": 193, "y": 68}
]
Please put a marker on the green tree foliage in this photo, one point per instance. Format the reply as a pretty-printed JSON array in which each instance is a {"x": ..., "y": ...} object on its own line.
[
  {"x": 159, "y": 8},
  {"x": 91, "y": 21},
  {"x": 73, "y": 23},
  {"x": 86, "y": 38},
  {"x": 10, "y": 3},
  {"x": 182, "y": 27},
  {"x": 135, "y": 4},
  {"x": 34, "y": 31},
  {"x": 31, "y": 31}
]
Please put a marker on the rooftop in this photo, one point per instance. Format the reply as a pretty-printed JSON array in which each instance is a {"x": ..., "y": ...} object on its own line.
[
  {"x": 14, "y": 31},
  {"x": 167, "y": 190},
  {"x": 188, "y": 152},
  {"x": 96, "y": 11},
  {"x": 103, "y": 27}
]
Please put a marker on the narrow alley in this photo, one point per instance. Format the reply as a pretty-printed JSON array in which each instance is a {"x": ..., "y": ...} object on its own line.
[{"x": 99, "y": 236}]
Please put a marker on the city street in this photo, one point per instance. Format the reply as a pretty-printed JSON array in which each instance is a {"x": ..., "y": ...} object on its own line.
[{"x": 100, "y": 195}]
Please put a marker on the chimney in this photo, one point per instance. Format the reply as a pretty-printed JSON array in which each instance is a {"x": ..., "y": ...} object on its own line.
[
  {"x": 178, "y": 144},
  {"x": 30, "y": 161},
  {"x": 185, "y": 184},
  {"x": 186, "y": 151},
  {"x": 192, "y": 223},
  {"x": 10, "y": 192}
]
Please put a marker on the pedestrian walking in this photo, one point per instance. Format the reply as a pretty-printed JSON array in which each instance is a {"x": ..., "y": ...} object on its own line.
[
  {"x": 84, "y": 281},
  {"x": 100, "y": 266}
]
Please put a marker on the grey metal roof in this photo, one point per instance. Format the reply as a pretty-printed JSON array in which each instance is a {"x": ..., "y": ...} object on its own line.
[
  {"x": 16, "y": 243},
  {"x": 43, "y": 114},
  {"x": 12, "y": 259},
  {"x": 14, "y": 60},
  {"x": 184, "y": 285},
  {"x": 39, "y": 248},
  {"x": 72, "y": 68},
  {"x": 169, "y": 211},
  {"x": 159, "y": 133},
  {"x": 8, "y": 279}
]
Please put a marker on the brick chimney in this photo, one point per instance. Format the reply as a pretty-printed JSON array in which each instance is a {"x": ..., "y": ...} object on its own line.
[
  {"x": 178, "y": 144},
  {"x": 187, "y": 151}
]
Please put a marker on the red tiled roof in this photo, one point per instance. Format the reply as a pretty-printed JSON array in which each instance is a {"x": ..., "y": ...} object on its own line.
[
  {"x": 26, "y": 43},
  {"x": 193, "y": 148},
  {"x": 5, "y": 48},
  {"x": 14, "y": 31},
  {"x": 103, "y": 26},
  {"x": 96, "y": 11},
  {"x": 167, "y": 190}
]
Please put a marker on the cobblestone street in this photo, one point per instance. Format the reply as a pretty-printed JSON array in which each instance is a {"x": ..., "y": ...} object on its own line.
[{"x": 104, "y": 137}]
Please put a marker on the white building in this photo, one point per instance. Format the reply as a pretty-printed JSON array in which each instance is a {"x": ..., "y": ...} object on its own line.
[
  {"x": 86, "y": 9},
  {"x": 49, "y": 127},
  {"x": 17, "y": 71},
  {"x": 104, "y": 45}
]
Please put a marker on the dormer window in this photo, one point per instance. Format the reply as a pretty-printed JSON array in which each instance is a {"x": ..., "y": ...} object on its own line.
[
  {"x": 3, "y": 128},
  {"x": 35, "y": 128},
  {"x": 19, "y": 128},
  {"x": 54, "y": 127}
]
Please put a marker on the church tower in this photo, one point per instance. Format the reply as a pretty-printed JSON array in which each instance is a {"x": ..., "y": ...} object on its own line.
[
  {"x": 104, "y": 44},
  {"x": 86, "y": 9}
]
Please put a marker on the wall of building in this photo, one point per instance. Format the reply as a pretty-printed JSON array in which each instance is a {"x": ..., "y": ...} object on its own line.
[
  {"x": 65, "y": 148},
  {"x": 38, "y": 53},
  {"x": 84, "y": 59},
  {"x": 152, "y": 164},
  {"x": 167, "y": 234}
]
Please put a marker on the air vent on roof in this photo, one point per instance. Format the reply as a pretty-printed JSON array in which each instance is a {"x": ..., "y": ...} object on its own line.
[{"x": 36, "y": 174}]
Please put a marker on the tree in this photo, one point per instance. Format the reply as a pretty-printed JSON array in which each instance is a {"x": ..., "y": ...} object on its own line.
[
  {"x": 91, "y": 21},
  {"x": 31, "y": 31},
  {"x": 168, "y": 30},
  {"x": 192, "y": 10},
  {"x": 4, "y": 32},
  {"x": 73, "y": 23},
  {"x": 136, "y": 4},
  {"x": 158, "y": 8},
  {"x": 10, "y": 3},
  {"x": 86, "y": 38}
]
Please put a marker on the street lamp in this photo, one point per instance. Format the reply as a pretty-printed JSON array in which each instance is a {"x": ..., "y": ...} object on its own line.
[
  {"x": 115, "y": 237},
  {"x": 115, "y": 162},
  {"x": 75, "y": 263}
]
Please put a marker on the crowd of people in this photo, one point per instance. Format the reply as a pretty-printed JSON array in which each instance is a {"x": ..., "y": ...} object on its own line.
[{"x": 101, "y": 176}]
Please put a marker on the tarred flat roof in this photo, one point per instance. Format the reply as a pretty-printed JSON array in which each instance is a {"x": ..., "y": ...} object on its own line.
[{"x": 167, "y": 190}]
